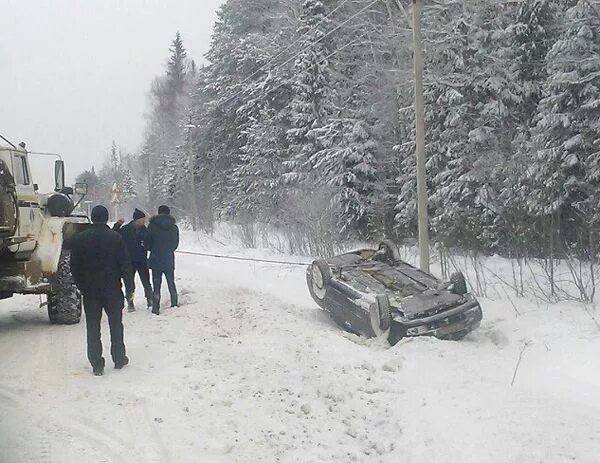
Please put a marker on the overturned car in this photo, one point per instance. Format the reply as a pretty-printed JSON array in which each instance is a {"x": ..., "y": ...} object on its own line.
[{"x": 372, "y": 292}]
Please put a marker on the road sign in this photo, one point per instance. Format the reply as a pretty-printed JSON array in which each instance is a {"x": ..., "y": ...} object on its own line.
[{"x": 116, "y": 195}]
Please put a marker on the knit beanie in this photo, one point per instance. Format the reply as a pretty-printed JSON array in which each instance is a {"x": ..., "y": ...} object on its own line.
[
  {"x": 137, "y": 214},
  {"x": 99, "y": 214}
]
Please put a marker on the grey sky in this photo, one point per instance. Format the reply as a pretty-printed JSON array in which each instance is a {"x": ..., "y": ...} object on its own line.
[{"x": 74, "y": 74}]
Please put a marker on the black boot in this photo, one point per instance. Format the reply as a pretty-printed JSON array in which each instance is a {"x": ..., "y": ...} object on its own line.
[
  {"x": 98, "y": 368},
  {"x": 156, "y": 304},
  {"x": 121, "y": 363}
]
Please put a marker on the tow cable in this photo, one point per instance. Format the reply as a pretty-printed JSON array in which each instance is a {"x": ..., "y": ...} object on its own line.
[{"x": 246, "y": 259}]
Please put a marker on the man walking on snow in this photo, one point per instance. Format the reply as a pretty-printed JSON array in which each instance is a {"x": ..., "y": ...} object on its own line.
[
  {"x": 99, "y": 261},
  {"x": 134, "y": 234},
  {"x": 162, "y": 240}
]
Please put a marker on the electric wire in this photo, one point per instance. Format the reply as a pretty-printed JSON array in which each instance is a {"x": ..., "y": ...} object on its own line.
[{"x": 338, "y": 27}]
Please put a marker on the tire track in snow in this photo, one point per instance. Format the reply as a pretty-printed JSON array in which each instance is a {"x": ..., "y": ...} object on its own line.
[
  {"x": 101, "y": 440},
  {"x": 141, "y": 426},
  {"x": 7, "y": 400},
  {"x": 37, "y": 448}
]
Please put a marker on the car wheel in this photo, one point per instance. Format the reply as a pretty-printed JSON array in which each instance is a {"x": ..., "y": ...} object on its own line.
[
  {"x": 391, "y": 250},
  {"x": 318, "y": 277},
  {"x": 381, "y": 317},
  {"x": 459, "y": 284}
]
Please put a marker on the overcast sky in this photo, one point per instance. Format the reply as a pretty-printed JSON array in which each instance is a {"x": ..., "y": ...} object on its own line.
[{"x": 74, "y": 74}]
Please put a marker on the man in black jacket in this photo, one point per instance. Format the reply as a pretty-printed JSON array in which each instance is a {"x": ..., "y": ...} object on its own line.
[
  {"x": 162, "y": 240},
  {"x": 99, "y": 261},
  {"x": 134, "y": 234}
]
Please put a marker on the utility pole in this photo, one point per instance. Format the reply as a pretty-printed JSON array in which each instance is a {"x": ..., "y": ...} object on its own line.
[
  {"x": 420, "y": 126},
  {"x": 193, "y": 204},
  {"x": 149, "y": 179}
]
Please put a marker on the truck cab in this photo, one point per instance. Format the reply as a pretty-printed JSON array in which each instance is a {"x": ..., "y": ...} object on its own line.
[{"x": 30, "y": 217}]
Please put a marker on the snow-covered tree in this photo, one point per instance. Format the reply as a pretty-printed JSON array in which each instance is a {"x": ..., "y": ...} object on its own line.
[
  {"x": 257, "y": 179},
  {"x": 169, "y": 99},
  {"x": 312, "y": 93},
  {"x": 304, "y": 112},
  {"x": 567, "y": 133}
]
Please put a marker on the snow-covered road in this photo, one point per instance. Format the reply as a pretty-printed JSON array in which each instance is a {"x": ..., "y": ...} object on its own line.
[{"x": 249, "y": 369}]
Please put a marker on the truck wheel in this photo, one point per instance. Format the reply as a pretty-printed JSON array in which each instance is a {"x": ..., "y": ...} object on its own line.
[
  {"x": 381, "y": 317},
  {"x": 318, "y": 276},
  {"x": 64, "y": 302}
]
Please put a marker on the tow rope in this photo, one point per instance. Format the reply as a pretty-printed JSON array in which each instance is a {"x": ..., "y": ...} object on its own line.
[{"x": 246, "y": 259}]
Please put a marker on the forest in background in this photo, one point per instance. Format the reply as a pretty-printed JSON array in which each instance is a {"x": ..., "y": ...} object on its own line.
[{"x": 302, "y": 120}]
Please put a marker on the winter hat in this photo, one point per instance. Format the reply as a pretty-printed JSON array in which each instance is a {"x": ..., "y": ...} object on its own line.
[
  {"x": 99, "y": 214},
  {"x": 137, "y": 214},
  {"x": 164, "y": 210}
]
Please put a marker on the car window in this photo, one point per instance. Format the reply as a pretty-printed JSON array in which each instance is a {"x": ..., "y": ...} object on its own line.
[{"x": 21, "y": 171}]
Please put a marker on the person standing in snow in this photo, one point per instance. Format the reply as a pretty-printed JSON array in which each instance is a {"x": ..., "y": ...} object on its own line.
[
  {"x": 99, "y": 261},
  {"x": 162, "y": 240},
  {"x": 134, "y": 234}
]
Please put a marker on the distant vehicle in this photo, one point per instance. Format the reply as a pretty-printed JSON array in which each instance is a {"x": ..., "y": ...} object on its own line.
[
  {"x": 35, "y": 235},
  {"x": 372, "y": 292}
]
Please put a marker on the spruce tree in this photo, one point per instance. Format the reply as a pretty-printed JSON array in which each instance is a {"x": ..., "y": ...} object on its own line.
[
  {"x": 567, "y": 132},
  {"x": 313, "y": 94}
]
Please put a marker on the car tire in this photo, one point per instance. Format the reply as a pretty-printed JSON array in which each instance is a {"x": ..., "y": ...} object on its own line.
[
  {"x": 381, "y": 316},
  {"x": 392, "y": 252},
  {"x": 459, "y": 284},
  {"x": 64, "y": 302},
  {"x": 318, "y": 277}
]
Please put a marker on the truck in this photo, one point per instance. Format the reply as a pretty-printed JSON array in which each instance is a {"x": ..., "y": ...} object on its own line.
[{"x": 36, "y": 232}]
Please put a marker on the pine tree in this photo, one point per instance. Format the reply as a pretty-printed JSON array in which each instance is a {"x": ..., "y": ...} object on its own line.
[
  {"x": 169, "y": 98},
  {"x": 177, "y": 66},
  {"x": 356, "y": 180},
  {"x": 533, "y": 34},
  {"x": 347, "y": 163},
  {"x": 256, "y": 180},
  {"x": 92, "y": 181},
  {"x": 567, "y": 133},
  {"x": 237, "y": 91},
  {"x": 128, "y": 183},
  {"x": 313, "y": 94}
]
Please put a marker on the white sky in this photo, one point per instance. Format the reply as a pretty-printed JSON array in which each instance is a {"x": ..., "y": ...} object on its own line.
[{"x": 74, "y": 74}]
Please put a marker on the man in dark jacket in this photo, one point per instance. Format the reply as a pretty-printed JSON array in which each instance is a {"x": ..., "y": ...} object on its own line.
[
  {"x": 134, "y": 234},
  {"x": 99, "y": 261},
  {"x": 162, "y": 240}
]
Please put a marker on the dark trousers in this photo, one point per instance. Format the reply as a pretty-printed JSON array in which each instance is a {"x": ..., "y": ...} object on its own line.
[
  {"x": 157, "y": 281},
  {"x": 113, "y": 306},
  {"x": 142, "y": 270}
]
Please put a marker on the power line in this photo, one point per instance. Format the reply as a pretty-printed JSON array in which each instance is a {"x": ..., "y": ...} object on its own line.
[
  {"x": 245, "y": 259},
  {"x": 338, "y": 50},
  {"x": 235, "y": 95},
  {"x": 293, "y": 43}
]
